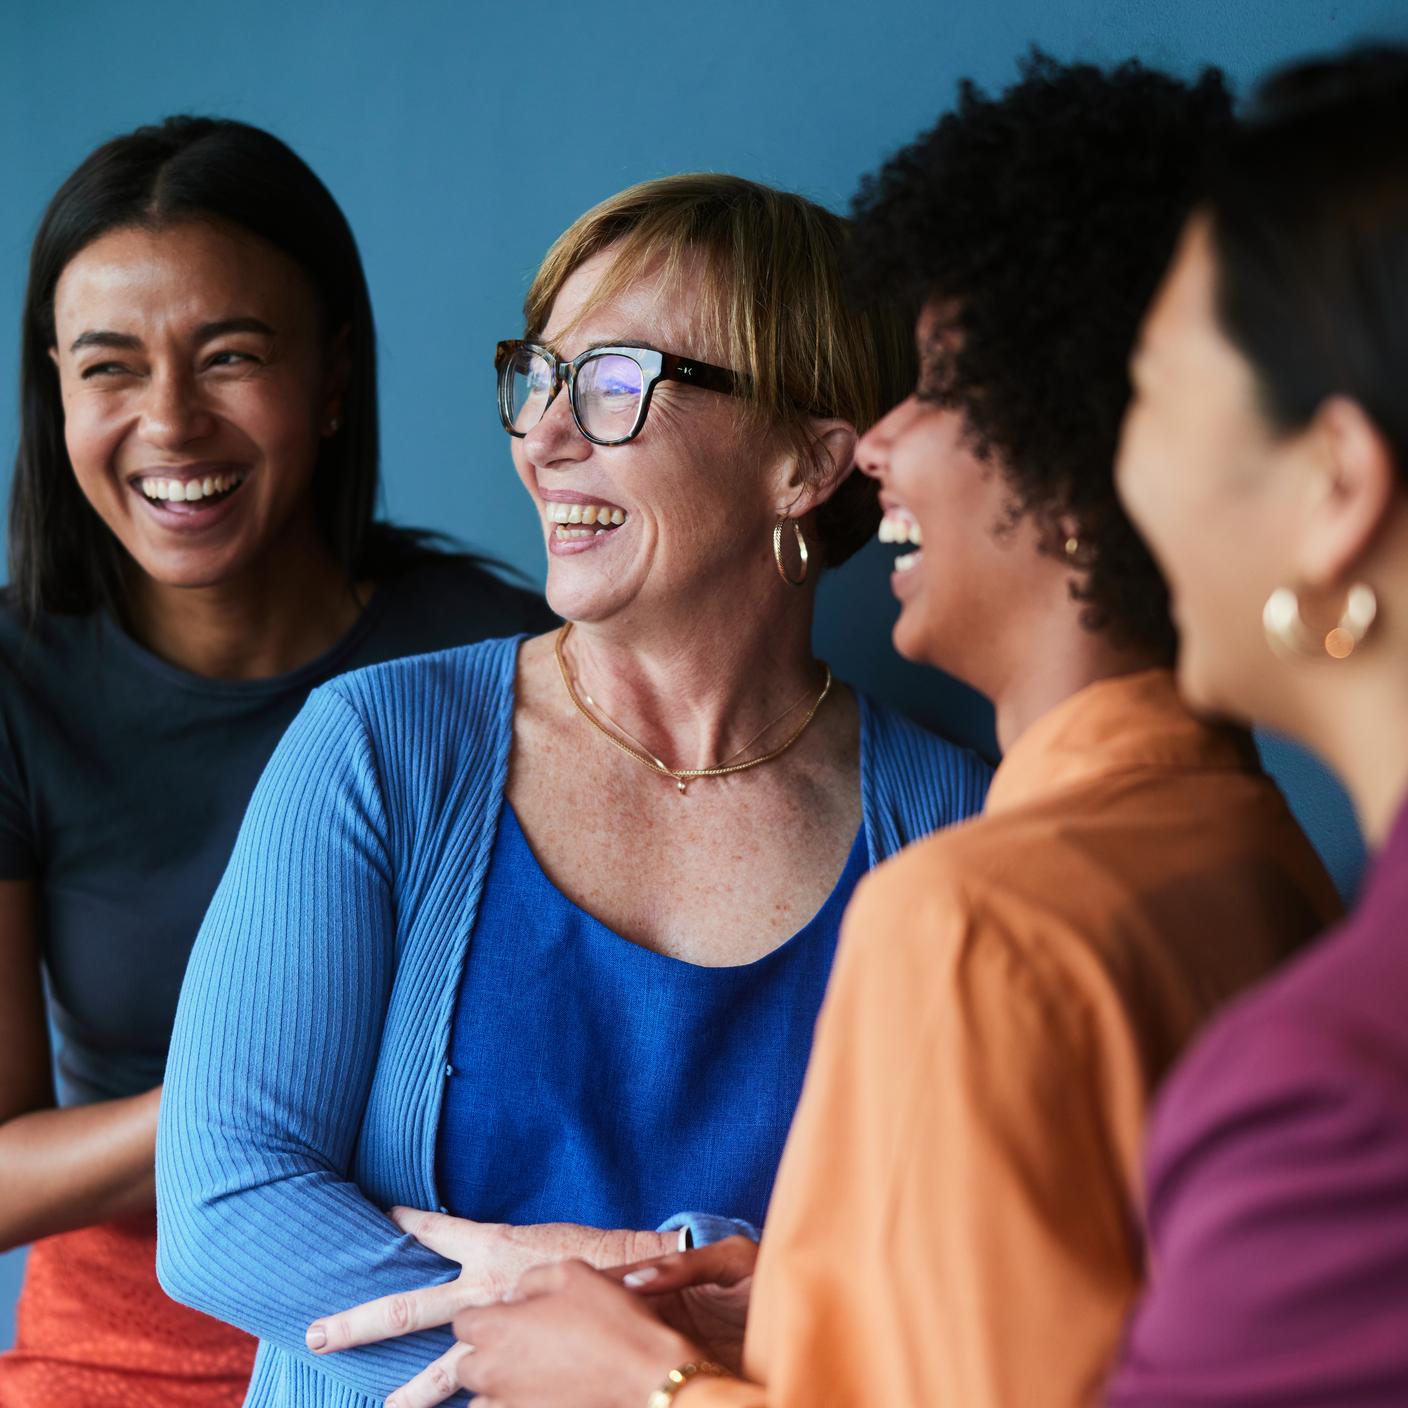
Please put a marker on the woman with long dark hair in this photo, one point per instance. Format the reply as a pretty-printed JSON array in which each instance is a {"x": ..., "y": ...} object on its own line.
[
  {"x": 192, "y": 549},
  {"x": 1266, "y": 460}
]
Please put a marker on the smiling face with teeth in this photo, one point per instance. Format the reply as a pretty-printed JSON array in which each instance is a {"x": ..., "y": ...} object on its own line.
[
  {"x": 682, "y": 512},
  {"x": 972, "y": 565},
  {"x": 195, "y": 382}
]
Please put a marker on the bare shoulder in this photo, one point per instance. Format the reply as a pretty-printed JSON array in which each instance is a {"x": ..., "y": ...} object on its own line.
[{"x": 539, "y": 680}]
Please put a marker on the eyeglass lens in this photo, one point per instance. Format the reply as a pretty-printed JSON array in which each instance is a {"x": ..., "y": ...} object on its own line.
[
  {"x": 607, "y": 395},
  {"x": 529, "y": 387}
]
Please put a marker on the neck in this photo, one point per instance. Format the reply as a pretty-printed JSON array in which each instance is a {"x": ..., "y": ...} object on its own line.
[
  {"x": 1055, "y": 662},
  {"x": 1356, "y": 725},
  {"x": 693, "y": 695},
  {"x": 284, "y": 610}
]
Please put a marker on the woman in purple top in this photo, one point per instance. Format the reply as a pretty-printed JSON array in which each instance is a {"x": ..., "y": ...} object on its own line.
[{"x": 1266, "y": 460}]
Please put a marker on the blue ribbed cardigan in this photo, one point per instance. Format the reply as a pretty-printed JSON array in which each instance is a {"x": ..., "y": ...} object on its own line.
[{"x": 306, "y": 1071}]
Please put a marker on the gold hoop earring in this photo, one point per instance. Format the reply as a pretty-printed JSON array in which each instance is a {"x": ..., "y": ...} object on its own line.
[
  {"x": 1290, "y": 637},
  {"x": 801, "y": 550}
]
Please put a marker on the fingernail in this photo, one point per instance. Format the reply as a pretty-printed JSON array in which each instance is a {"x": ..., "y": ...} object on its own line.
[
  {"x": 316, "y": 1337},
  {"x": 643, "y": 1277}
]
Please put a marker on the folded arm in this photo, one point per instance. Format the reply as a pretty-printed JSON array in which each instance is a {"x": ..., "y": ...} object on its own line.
[{"x": 272, "y": 1058}]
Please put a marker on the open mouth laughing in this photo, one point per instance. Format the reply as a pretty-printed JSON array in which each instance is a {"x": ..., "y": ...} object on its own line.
[
  {"x": 900, "y": 526},
  {"x": 188, "y": 494},
  {"x": 577, "y": 521}
]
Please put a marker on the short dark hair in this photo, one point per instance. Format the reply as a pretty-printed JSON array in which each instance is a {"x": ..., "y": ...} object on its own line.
[
  {"x": 1037, "y": 224},
  {"x": 1309, "y": 214},
  {"x": 62, "y": 555}
]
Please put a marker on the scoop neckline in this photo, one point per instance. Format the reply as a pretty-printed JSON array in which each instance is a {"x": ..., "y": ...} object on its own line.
[{"x": 858, "y": 845}]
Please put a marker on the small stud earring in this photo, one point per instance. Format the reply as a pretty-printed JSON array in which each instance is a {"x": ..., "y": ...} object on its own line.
[{"x": 1072, "y": 546}]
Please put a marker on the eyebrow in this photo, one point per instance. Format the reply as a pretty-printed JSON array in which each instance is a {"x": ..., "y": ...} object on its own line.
[
  {"x": 104, "y": 338},
  {"x": 622, "y": 342},
  {"x": 206, "y": 331},
  {"x": 124, "y": 341},
  {"x": 642, "y": 343}
]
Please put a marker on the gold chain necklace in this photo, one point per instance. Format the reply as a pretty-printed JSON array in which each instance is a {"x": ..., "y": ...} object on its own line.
[
  {"x": 684, "y": 776},
  {"x": 737, "y": 752}
]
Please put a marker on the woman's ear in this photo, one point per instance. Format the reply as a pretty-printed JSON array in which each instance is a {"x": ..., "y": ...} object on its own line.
[
  {"x": 833, "y": 452},
  {"x": 1353, "y": 479}
]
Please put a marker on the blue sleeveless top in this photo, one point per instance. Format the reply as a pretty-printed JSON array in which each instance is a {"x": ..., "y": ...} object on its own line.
[
  {"x": 594, "y": 1081},
  {"x": 307, "y": 1075}
]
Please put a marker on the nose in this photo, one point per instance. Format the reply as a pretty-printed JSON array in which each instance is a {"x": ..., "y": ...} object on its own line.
[
  {"x": 555, "y": 442},
  {"x": 873, "y": 448},
  {"x": 173, "y": 414}
]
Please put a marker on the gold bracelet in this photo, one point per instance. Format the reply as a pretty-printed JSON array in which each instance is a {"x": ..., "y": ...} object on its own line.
[{"x": 676, "y": 1379}]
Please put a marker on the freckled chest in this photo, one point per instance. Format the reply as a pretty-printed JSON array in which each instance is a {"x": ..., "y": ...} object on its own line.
[{"x": 718, "y": 877}]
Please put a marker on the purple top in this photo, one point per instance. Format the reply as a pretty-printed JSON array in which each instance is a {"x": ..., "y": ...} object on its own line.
[{"x": 1278, "y": 1186}]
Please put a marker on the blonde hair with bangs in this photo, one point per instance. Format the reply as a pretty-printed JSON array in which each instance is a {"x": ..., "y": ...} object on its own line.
[{"x": 772, "y": 305}]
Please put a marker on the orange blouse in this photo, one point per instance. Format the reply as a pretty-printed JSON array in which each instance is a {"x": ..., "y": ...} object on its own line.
[{"x": 956, "y": 1219}]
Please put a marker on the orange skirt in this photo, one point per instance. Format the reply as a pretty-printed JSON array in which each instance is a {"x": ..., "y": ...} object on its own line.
[{"x": 93, "y": 1328}]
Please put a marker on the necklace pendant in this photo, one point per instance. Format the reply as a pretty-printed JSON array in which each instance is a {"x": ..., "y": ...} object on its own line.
[{"x": 682, "y": 785}]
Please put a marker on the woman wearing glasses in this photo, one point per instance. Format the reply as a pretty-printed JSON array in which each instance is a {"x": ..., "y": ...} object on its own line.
[
  {"x": 536, "y": 932},
  {"x": 192, "y": 550}
]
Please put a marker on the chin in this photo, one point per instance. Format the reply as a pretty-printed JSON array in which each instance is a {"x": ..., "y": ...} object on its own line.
[
  {"x": 580, "y": 602},
  {"x": 910, "y": 639},
  {"x": 594, "y": 585},
  {"x": 210, "y": 560},
  {"x": 190, "y": 574}
]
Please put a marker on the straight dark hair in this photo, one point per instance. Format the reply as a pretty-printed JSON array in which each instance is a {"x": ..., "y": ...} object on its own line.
[
  {"x": 62, "y": 556},
  {"x": 1309, "y": 214}
]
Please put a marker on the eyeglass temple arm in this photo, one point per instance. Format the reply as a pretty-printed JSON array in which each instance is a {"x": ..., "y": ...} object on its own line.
[
  {"x": 714, "y": 378},
  {"x": 704, "y": 374}
]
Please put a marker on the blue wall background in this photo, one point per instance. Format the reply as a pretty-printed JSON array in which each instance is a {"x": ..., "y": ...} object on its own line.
[{"x": 457, "y": 136}]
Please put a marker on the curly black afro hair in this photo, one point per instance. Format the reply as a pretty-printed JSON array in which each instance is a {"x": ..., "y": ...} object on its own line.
[{"x": 1038, "y": 225}]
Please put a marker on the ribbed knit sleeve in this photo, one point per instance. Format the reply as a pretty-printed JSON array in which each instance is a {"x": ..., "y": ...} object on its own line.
[
  {"x": 272, "y": 1060},
  {"x": 912, "y": 781}
]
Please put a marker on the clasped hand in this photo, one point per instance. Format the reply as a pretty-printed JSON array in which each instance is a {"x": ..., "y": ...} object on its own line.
[
  {"x": 577, "y": 1338},
  {"x": 492, "y": 1257},
  {"x": 571, "y": 1336}
]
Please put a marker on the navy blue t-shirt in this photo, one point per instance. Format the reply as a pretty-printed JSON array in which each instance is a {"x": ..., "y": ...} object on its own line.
[{"x": 123, "y": 781}]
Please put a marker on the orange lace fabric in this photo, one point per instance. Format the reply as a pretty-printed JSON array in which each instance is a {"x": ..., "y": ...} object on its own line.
[{"x": 93, "y": 1327}]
